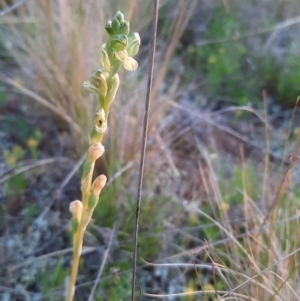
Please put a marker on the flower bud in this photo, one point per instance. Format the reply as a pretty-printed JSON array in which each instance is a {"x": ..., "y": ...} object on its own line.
[
  {"x": 119, "y": 42},
  {"x": 76, "y": 209},
  {"x": 100, "y": 121},
  {"x": 98, "y": 184},
  {"x": 124, "y": 28},
  {"x": 134, "y": 42},
  {"x": 98, "y": 79},
  {"x": 104, "y": 59},
  {"x": 97, "y": 83},
  {"x": 109, "y": 29},
  {"x": 115, "y": 25},
  {"x": 119, "y": 16},
  {"x": 96, "y": 150}
]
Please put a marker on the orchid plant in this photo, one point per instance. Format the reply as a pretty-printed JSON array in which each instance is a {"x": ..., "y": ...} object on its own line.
[{"x": 117, "y": 52}]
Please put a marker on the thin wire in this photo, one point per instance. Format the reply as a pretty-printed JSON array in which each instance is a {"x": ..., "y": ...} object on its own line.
[{"x": 143, "y": 150}]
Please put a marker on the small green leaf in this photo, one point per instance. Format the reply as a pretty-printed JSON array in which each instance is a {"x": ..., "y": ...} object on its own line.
[
  {"x": 93, "y": 200},
  {"x": 75, "y": 224}
]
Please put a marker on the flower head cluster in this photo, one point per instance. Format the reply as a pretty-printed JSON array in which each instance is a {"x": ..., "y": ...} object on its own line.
[{"x": 120, "y": 50}]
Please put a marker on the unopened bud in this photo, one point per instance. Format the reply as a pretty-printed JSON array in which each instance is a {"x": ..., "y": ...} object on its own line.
[
  {"x": 108, "y": 28},
  {"x": 115, "y": 25},
  {"x": 124, "y": 27},
  {"x": 119, "y": 16},
  {"x": 76, "y": 209},
  {"x": 98, "y": 184},
  {"x": 96, "y": 150}
]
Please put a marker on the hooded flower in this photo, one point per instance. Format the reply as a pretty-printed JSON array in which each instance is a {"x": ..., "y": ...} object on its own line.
[
  {"x": 97, "y": 83},
  {"x": 126, "y": 48}
]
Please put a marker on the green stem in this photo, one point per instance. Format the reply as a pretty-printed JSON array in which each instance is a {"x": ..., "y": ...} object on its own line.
[
  {"x": 112, "y": 88},
  {"x": 78, "y": 242},
  {"x": 75, "y": 264}
]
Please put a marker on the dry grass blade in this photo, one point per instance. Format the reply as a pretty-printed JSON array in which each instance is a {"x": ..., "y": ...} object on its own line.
[
  {"x": 42, "y": 101},
  {"x": 262, "y": 272},
  {"x": 129, "y": 165},
  {"x": 228, "y": 130},
  {"x": 104, "y": 259},
  {"x": 294, "y": 159},
  {"x": 85, "y": 250},
  {"x": 284, "y": 282},
  {"x": 185, "y": 10},
  {"x": 241, "y": 108},
  {"x": 229, "y": 234},
  {"x": 234, "y": 295},
  {"x": 144, "y": 142},
  {"x": 191, "y": 265},
  {"x": 31, "y": 166},
  {"x": 12, "y": 7},
  {"x": 62, "y": 186}
]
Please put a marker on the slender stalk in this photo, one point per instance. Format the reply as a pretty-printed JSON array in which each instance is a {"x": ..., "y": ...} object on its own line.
[
  {"x": 77, "y": 242},
  {"x": 144, "y": 143},
  {"x": 75, "y": 264}
]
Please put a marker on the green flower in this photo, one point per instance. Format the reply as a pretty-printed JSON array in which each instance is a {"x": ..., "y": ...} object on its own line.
[
  {"x": 119, "y": 42},
  {"x": 134, "y": 42},
  {"x": 97, "y": 83},
  {"x": 104, "y": 58},
  {"x": 125, "y": 54}
]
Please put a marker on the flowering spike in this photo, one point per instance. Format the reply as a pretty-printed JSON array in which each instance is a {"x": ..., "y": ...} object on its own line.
[{"x": 104, "y": 82}]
